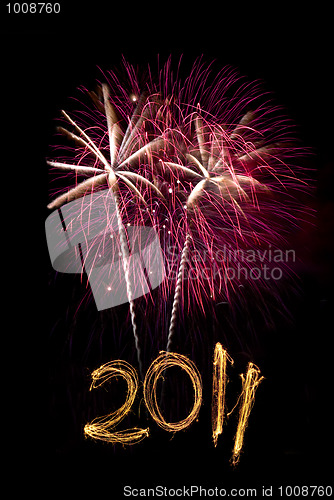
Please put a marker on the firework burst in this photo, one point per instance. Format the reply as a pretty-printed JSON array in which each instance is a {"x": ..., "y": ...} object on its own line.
[
  {"x": 230, "y": 190},
  {"x": 209, "y": 162},
  {"x": 124, "y": 149}
]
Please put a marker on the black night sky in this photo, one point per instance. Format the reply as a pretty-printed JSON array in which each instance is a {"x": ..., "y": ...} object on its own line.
[{"x": 45, "y": 58}]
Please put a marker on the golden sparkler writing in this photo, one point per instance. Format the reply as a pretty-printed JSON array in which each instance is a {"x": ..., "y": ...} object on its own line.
[
  {"x": 219, "y": 380},
  {"x": 100, "y": 428},
  {"x": 156, "y": 370},
  {"x": 250, "y": 383}
]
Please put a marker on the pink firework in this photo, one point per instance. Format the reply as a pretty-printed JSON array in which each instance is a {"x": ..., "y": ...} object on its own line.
[
  {"x": 234, "y": 196},
  {"x": 211, "y": 164}
]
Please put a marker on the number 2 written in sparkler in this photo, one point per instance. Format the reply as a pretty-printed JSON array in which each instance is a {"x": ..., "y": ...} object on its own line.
[{"x": 102, "y": 428}]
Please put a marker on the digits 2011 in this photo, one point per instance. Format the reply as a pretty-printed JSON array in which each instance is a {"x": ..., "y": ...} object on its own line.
[{"x": 102, "y": 428}]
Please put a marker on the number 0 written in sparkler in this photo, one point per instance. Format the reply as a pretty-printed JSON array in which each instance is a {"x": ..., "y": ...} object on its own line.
[{"x": 102, "y": 428}]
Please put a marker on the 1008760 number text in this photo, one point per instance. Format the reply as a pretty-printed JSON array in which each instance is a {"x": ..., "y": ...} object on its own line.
[{"x": 33, "y": 8}]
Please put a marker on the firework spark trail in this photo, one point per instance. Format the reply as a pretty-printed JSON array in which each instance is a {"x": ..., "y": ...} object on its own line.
[
  {"x": 111, "y": 175},
  {"x": 112, "y": 124},
  {"x": 178, "y": 292}
]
